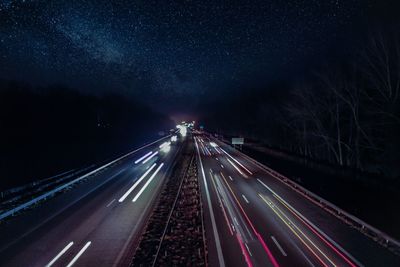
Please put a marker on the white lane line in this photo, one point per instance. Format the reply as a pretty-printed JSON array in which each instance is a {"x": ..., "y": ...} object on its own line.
[
  {"x": 142, "y": 158},
  {"x": 236, "y": 221},
  {"x": 136, "y": 184},
  {"x": 79, "y": 254},
  {"x": 147, "y": 183},
  {"x": 217, "y": 159},
  {"x": 248, "y": 249},
  {"x": 112, "y": 201},
  {"x": 245, "y": 199},
  {"x": 222, "y": 166},
  {"x": 278, "y": 245},
  {"x": 214, "y": 225},
  {"x": 230, "y": 178},
  {"x": 59, "y": 254},
  {"x": 149, "y": 158}
]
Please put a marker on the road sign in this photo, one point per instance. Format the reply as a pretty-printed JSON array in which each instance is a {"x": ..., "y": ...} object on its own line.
[{"x": 237, "y": 141}]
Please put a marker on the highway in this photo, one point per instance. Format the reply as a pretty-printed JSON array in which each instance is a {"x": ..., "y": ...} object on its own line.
[
  {"x": 254, "y": 219},
  {"x": 251, "y": 218},
  {"x": 97, "y": 222}
]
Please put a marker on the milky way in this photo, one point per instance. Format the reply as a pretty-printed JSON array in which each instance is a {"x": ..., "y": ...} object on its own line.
[{"x": 165, "y": 51}]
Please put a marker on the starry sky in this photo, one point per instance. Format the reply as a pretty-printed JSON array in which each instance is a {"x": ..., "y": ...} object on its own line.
[{"x": 173, "y": 54}]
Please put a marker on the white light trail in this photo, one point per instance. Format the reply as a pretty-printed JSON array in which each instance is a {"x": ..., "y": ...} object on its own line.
[
  {"x": 59, "y": 254},
  {"x": 136, "y": 184},
  {"x": 164, "y": 144},
  {"x": 147, "y": 183},
  {"x": 149, "y": 158},
  {"x": 142, "y": 158},
  {"x": 210, "y": 209},
  {"x": 165, "y": 147},
  {"x": 234, "y": 166},
  {"x": 79, "y": 254},
  {"x": 241, "y": 165}
]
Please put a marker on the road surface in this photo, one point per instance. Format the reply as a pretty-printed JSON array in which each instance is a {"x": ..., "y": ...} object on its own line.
[
  {"x": 251, "y": 218},
  {"x": 95, "y": 223},
  {"x": 254, "y": 219}
]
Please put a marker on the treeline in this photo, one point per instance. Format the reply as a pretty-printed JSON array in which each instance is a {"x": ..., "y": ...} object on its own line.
[
  {"x": 346, "y": 114},
  {"x": 350, "y": 114},
  {"x": 44, "y": 131}
]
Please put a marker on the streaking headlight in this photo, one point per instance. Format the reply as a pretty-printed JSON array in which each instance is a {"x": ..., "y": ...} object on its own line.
[
  {"x": 165, "y": 147},
  {"x": 213, "y": 144}
]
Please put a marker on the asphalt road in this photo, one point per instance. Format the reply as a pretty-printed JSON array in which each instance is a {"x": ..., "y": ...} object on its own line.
[
  {"x": 94, "y": 224},
  {"x": 253, "y": 219}
]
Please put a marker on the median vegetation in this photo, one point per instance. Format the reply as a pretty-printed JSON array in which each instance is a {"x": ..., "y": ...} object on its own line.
[{"x": 174, "y": 235}]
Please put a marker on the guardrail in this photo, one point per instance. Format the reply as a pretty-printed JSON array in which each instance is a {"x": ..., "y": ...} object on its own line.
[
  {"x": 13, "y": 195},
  {"x": 64, "y": 186},
  {"x": 370, "y": 231}
]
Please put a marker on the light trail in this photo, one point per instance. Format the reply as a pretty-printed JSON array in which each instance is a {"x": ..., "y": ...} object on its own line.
[
  {"x": 79, "y": 254},
  {"x": 215, "y": 231},
  {"x": 244, "y": 251},
  {"x": 236, "y": 168},
  {"x": 288, "y": 224},
  {"x": 221, "y": 204},
  {"x": 311, "y": 226},
  {"x": 240, "y": 164},
  {"x": 143, "y": 157},
  {"x": 264, "y": 245},
  {"x": 136, "y": 183},
  {"x": 59, "y": 254},
  {"x": 148, "y": 182},
  {"x": 149, "y": 158}
]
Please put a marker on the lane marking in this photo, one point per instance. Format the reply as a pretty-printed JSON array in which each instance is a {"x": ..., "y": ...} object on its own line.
[
  {"x": 244, "y": 252},
  {"x": 245, "y": 199},
  {"x": 248, "y": 249},
  {"x": 112, "y": 201},
  {"x": 136, "y": 184},
  {"x": 230, "y": 178},
  {"x": 143, "y": 157},
  {"x": 278, "y": 245},
  {"x": 79, "y": 254},
  {"x": 222, "y": 166},
  {"x": 149, "y": 158},
  {"x": 214, "y": 225},
  {"x": 148, "y": 182},
  {"x": 59, "y": 254}
]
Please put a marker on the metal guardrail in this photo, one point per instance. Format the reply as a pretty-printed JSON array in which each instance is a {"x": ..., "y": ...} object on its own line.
[
  {"x": 370, "y": 231},
  {"x": 64, "y": 186},
  {"x": 14, "y": 190},
  {"x": 9, "y": 197}
]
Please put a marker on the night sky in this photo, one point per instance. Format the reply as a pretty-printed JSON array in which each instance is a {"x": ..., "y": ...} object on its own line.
[{"x": 174, "y": 54}]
